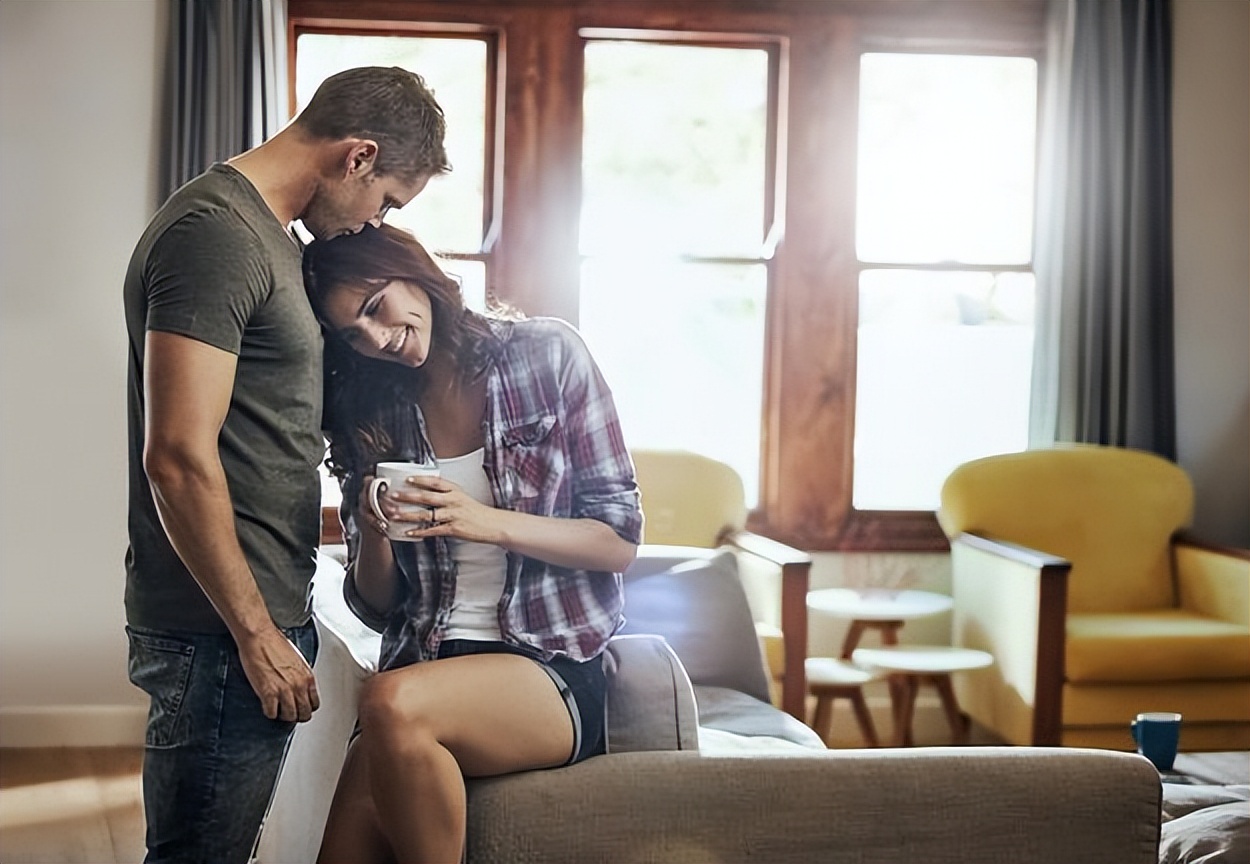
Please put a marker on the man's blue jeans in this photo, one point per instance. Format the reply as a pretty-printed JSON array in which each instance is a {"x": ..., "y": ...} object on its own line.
[{"x": 212, "y": 757}]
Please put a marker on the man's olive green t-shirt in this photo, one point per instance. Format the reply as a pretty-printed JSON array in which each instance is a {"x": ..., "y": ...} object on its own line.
[{"x": 215, "y": 265}]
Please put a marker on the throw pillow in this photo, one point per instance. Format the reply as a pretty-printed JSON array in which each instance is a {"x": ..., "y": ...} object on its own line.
[{"x": 700, "y": 609}]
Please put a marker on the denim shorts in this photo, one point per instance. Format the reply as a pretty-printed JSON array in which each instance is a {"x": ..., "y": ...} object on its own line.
[
  {"x": 582, "y": 685},
  {"x": 211, "y": 756}
]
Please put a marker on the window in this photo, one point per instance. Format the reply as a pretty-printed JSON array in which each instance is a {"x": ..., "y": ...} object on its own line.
[
  {"x": 944, "y": 234},
  {"x": 785, "y": 229},
  {"x": 674, "y": 218}
]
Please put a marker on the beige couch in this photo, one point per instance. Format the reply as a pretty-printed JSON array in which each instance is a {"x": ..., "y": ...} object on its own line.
[{"x": 733, "y": 779}]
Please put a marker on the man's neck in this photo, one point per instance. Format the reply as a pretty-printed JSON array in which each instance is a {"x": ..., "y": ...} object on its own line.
[{"x": 284, "y": 171}]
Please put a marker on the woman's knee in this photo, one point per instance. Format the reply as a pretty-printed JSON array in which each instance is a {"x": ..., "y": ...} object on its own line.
[{"x": 390, "y": 705}]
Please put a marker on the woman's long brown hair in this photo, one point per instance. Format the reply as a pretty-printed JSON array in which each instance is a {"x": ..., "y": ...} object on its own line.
[{"x": 370, "y": 403}]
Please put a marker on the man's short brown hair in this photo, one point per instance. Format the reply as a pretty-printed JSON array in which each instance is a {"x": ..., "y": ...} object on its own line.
[{"x": 391, "y": 106}]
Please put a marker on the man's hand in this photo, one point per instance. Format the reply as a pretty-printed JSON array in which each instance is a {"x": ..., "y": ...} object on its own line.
[{"x": 280, "y": 675}]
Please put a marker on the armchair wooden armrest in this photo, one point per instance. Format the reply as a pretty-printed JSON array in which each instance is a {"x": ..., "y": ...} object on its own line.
[
  {"x": 760, "y": 559},
  {"x": 1212, "y": 580},
  {"x": 1011, "y": 601}
]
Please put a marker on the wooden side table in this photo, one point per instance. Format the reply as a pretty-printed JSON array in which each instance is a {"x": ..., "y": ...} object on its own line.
[
  {"x": 830, "y": 678},
  {"x": 839, "y": 678},
  {"x": 875, "y": 609},
  {"x": 910, "y": 666}
]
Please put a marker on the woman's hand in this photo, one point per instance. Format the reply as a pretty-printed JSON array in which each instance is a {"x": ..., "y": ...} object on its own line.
[
  {"x": 448, "y": 510},
  {"x": 435, "y": 507}
]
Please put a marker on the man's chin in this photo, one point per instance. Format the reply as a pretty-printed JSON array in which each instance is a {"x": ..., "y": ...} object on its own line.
[
  {"x": 331, "y": 233},
  {"x": 314, "y": 230},
  {"x": 324, "y": 232}
]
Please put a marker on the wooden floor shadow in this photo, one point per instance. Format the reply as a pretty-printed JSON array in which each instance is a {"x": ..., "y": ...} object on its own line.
[{"x": 71, "y": 805}]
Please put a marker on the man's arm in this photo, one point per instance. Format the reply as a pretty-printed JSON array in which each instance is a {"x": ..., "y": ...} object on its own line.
[{"x": 187, "y": 387}]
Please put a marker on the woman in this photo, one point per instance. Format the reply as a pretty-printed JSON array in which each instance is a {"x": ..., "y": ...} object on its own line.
[{"x": 495, "y": 618}]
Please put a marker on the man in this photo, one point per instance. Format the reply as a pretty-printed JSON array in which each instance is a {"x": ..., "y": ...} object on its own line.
[{"x": 225, "y": 415}]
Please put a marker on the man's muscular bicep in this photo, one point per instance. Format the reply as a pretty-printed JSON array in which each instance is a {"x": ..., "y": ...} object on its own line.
[{"x": 187, "y": 386}]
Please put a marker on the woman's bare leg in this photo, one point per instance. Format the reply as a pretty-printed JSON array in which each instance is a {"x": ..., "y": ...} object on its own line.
[
  {"x": 353, "y": 834},
  {"x": 427, "y": 726}
]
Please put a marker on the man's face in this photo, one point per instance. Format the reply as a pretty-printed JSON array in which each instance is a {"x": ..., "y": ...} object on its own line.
[{"x": 344, "y": 206}]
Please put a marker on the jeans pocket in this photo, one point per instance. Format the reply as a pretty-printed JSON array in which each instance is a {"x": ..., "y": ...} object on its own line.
[
  {"x": 305, "y": 639},
  {"x": 160, "y": 665}
]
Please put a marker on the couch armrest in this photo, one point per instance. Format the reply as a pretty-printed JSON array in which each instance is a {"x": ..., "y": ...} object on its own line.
[
  {"x": 972, "y": 805},
  {"x": 761, "y": 559},
  {"x": 1213, "y": 580},
  {"x": 651, "y": 703},
  {"x": 1011, "y": 601}
]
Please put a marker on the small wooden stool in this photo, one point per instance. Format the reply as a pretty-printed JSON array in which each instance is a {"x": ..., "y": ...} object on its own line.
[
  {"x": 909, "y": 666},
  {"x": 830, "y": 678}
]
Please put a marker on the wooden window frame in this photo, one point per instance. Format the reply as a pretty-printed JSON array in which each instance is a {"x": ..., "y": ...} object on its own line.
[{"x": 532, "y": 254}]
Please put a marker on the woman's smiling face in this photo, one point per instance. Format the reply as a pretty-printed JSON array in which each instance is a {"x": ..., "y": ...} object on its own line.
[{"x": 390, "y": 322}]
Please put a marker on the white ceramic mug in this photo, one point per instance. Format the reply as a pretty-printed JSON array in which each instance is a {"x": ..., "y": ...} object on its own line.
[{"x": 396, "y": 474}]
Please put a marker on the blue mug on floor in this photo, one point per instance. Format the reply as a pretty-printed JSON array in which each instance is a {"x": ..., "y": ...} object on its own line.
[{"x": 1157, "y": 734}]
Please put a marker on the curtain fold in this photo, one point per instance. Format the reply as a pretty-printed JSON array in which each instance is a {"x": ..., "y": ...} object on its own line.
[
  {"x": 1103, "y": 361},
  {"x": 226, "y": 82}
]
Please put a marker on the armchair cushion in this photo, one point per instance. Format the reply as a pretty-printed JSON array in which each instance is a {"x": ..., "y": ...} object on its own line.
[
  {"x": 1201, "y": 702},
  {"x": 689, "y": 499},
  {"x": 700, "y": 609},
  {"x": 1110, "y": 511},
  {"x": 1167, "y": 645}
]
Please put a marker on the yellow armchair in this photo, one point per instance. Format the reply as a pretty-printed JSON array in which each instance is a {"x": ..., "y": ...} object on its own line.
[
  {"x": 1069, "y": 565},
  {"x": 692, "y": 500}
]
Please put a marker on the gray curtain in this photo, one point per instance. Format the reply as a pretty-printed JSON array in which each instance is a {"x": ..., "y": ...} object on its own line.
[
  {"x": 1103, "y": 363},
  {"x": 226, "y": 85}
]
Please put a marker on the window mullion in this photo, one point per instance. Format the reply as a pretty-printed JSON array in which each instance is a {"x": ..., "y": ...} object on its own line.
[{"x": 537, "y": 255}]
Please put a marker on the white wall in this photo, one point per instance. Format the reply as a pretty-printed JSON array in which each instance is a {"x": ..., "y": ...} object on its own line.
[
  {"x": 78, "y": 136},
  {"x": 79, "y": 87},
  {"x": 1211, "y": 213}
]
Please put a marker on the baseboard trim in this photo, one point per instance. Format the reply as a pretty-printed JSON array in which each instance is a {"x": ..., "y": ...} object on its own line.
[{"x": 73, "y": 726}]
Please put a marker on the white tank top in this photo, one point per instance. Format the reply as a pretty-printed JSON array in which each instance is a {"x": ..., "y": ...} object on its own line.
[{"x": 480, "y": 567}]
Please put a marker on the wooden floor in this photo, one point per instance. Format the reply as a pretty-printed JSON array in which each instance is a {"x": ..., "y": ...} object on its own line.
[{"x": 71, "y": 806}]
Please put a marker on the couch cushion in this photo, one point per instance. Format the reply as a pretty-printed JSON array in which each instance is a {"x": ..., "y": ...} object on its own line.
[
  {"x": 1166, "y": 645},
  {"x": 700, "y": 609},
  {"x": 733, "y": 711},
  {"x": 1205, "y": 825}
]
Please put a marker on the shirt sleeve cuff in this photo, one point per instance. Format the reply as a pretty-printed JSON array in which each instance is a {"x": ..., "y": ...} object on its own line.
[{"x": 357, "y": 604}]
